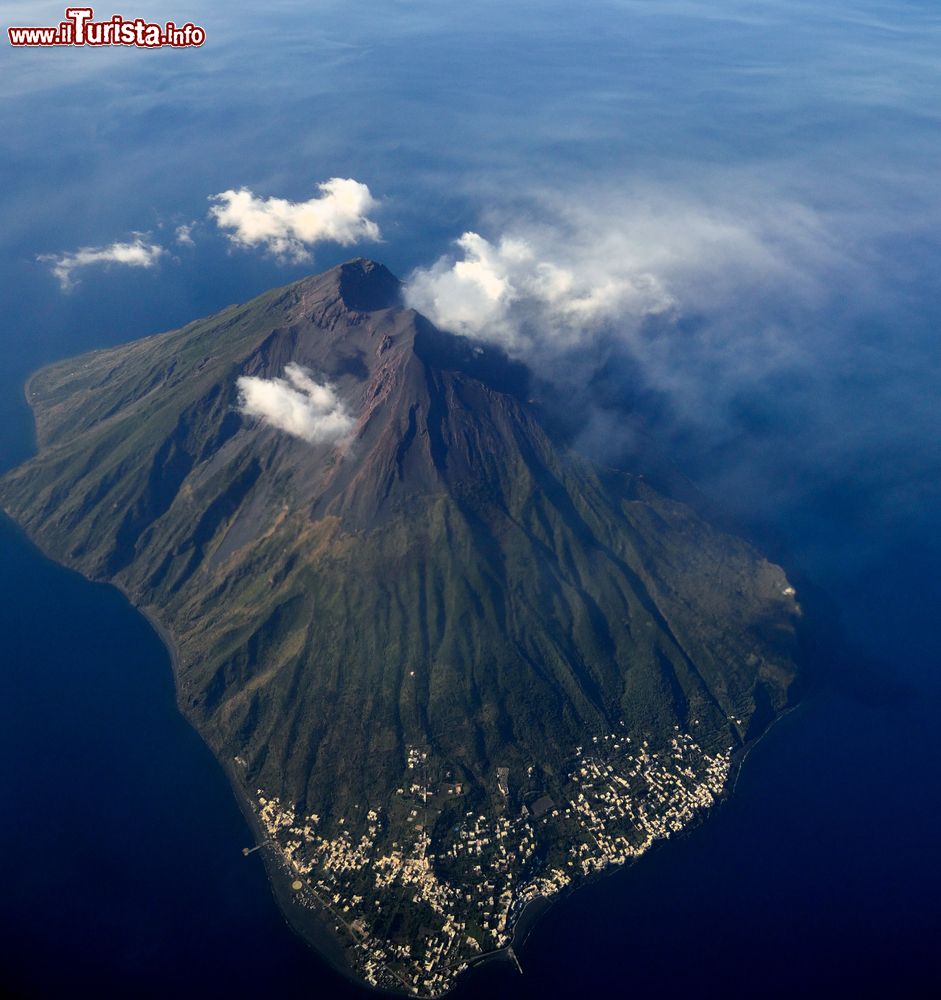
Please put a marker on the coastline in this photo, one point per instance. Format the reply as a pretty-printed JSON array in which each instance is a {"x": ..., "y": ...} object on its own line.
[
  {"x": 532, "y": 912},
  {"x": 315, "y": 929}
]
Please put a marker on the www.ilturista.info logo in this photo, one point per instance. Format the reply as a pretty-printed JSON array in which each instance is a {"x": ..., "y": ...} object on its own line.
[{"x": 80, "y": 28}]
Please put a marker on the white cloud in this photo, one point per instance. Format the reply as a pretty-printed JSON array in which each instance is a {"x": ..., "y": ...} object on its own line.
[
  {"x": 297, "y": 404},
  {"x": 289, "y": 228},
  {"x": 513, "y": 292},
  {"x": 603, "y": 265},
  {"x": 137, "y": 253},
  {"x": 184, "y": 234}
]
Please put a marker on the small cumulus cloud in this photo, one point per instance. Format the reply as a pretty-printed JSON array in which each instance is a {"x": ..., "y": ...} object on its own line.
[
  {"x": 297, "y": 404},
  {"x": 184, "y": 234},
  {"x": 136, "y": 253},
  {"x": 289, "y": 228}
]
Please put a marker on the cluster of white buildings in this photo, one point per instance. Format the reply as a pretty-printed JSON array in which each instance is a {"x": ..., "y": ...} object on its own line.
[{"x": 619, "y": 798}]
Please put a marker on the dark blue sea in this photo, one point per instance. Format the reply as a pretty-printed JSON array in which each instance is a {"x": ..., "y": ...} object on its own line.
[{"x": 773, "y": 166}]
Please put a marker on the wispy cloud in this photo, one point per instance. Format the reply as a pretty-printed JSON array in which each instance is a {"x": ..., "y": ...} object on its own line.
[
  {"x": 289, "y": 228},
  {"x": 136, "y": 253},
  {"x": 184, "y": 234},
  {"x": 297, "y": 404},
  {"x": 604, "y": 264}
]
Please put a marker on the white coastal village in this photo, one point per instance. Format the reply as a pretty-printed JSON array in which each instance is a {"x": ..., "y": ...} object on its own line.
[{"x": 416, "y": 912}]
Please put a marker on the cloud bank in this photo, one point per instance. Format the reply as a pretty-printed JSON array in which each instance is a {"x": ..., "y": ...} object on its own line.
[
  {"x": 296, "y": 404},
  {"x": 137, "y": 253},
  {"x": 289, "y": 228},
  {"x": 605, "y": 265}
]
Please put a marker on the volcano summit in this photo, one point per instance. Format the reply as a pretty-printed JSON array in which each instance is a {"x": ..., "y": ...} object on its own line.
[{"x": 448, "y": 665}]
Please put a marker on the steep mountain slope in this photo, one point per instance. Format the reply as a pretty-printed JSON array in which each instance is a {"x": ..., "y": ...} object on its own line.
[{"x": 452, "y": 664}]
